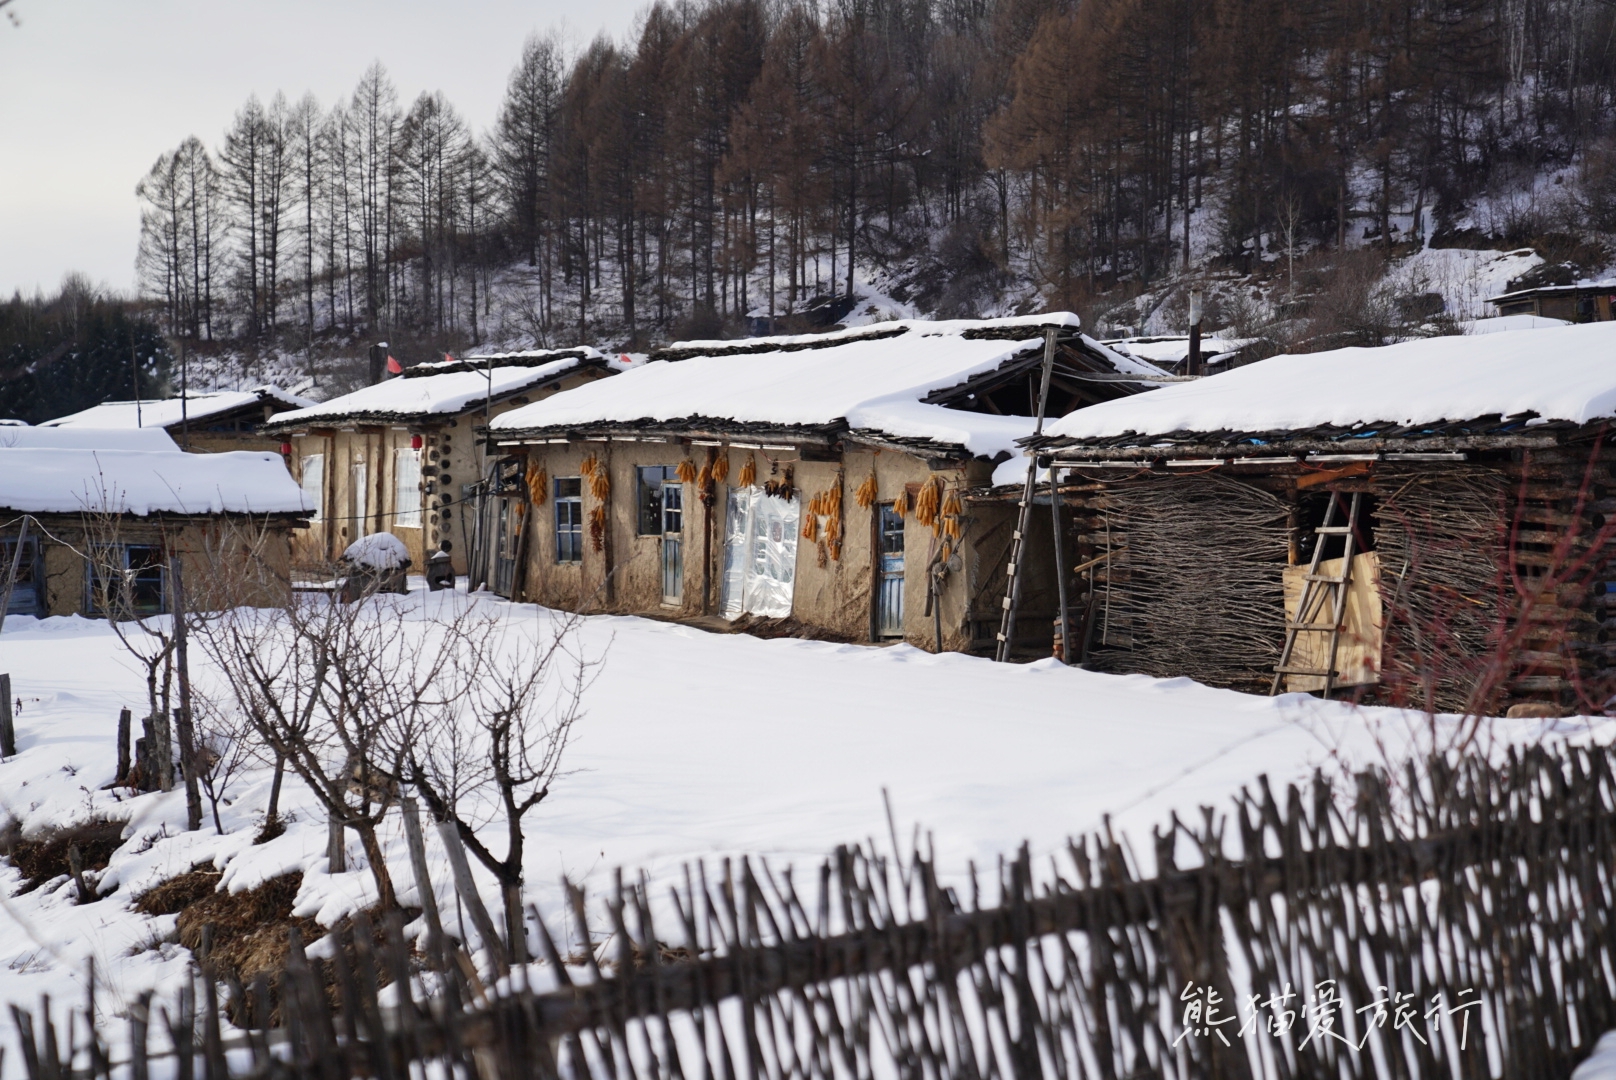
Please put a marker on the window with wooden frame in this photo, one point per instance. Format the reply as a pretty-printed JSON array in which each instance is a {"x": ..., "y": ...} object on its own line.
[
  {"x": 126, "y": 581},
  {"x": 569, "y": 519},
  {"x": 649, "y": 496}
]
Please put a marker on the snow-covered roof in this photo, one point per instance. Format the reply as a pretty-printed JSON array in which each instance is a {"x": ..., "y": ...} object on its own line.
[
  {"x": 1564, "y": 374},
  {"x": 1551, "y": 290},
  {"x": 870, "y": 379},
  {"x": 166, "y": 412},
  {"x": 443, "y": 388},
  {"x": 86, "y": 438},
  {"x": 1172, "y": 349},
  {"x": 137, "y": 471}
]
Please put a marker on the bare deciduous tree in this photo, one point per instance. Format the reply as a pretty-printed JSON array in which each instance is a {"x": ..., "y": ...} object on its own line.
[{"x": 492, "y": 753}]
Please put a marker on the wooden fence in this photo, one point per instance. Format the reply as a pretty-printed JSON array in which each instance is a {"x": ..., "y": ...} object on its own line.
[{"x": 1454, "y": 921}]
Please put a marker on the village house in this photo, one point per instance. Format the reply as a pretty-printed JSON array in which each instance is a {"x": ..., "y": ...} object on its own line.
[
  {"x": 402, "y": 456},
  {"x": 87, "y": 513},
  {"x": 1587, "y": 301},
  {"x": 207, "y": 422},
  {"x": 817, "y": 484},
  {"x": 1424, "y": 523}
]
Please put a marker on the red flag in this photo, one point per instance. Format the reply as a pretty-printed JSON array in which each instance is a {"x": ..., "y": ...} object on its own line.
[
  {"x": 447, "y": 359},
  {"x": 394, "y": 367}
]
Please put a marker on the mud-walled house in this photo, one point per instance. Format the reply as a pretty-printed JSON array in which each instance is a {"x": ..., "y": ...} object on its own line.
[
  {"x": 202, "y": 421},
  {"x": 400, "y": 456},
  {"x": 817, "y": 484},
  {"x": 92, "y": 522},
  {"x": 1424, "y": 523}
]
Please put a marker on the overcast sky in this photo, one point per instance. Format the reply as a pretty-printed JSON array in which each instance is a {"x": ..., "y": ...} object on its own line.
[{"x": 92, "y": 91}]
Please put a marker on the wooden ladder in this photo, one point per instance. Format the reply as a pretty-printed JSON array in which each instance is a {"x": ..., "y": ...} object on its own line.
[
  {"x": 1321, "y": 589},
  {"x": 1018, "y": 539}
]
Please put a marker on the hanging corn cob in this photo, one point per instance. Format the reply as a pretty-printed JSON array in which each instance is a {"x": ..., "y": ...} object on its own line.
[
  {"x": 748, "y": 475},
  {"x": 600, "y": 482},
  {"x": 597, "y": 528},
  {"x": 686, "y": 471},
  {"x": 721, "y": 465},
  {"x": 538, "y": 484},
  {"x": 927, "y": 501},
  {"x": 866, "y": 494}
]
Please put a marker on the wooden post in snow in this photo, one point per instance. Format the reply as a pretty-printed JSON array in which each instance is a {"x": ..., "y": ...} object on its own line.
[
  {"x": 8, "y": 729},
  {"x": 423, "y": 880},
  {"x": 469, "y": 896},
  {"x": 336, "y": 846},
  {"x": 123, "y": 747}
]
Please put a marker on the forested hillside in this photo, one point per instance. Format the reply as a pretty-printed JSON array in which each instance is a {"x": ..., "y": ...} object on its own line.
[{"x": 780, "y": 158}]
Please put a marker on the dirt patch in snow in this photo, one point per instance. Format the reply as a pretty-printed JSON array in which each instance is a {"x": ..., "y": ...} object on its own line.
[
  {"x": 249, "y": 928},
  {"x": 763, "y": 627},
  {"x": 45, "y": 858}
]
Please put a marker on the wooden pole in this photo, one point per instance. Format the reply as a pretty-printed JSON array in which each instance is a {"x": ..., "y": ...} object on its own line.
[
  {"x": 11, "y": 576},
  {"x": 182, "y": 716},
  {"x": 1060, "y": 567},
  {"x": 162, "y": 750},
  {"x": 1192, "y": 363},
  {"x": 8, "y": 729},
  {"x": 336, "y": 848},
  {"x": 123, "y": 747},
  {"x": 450, "y": 835},
  {"x": 423, "y": 880}
]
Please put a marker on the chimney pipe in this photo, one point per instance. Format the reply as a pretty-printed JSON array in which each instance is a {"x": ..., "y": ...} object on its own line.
[{"x": 378, "y": 361}]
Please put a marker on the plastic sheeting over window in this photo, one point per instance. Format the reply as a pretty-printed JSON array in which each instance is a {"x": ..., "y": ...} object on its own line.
[
  {"x": 407, "y": 487},
  {"x": 760, "y": 553},
  {"x": 312, "y": 469}
]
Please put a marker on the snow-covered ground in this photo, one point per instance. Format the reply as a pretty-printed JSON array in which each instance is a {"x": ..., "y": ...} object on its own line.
[{"x": 694, "y": 745}]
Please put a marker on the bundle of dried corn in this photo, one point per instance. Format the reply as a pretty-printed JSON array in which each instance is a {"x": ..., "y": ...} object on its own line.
[
  {"x": 538, "y": 484},
  {"x": 833, "y": 519},
  {"x": 597, "y": 528},
  {"x": 748, "y": 475},
  {"x": 721, "y": 465},
  {"x": 866, "y": 494},
  {"x": 948, "y": 521},
  {"x": 686, "y": 471},
  {"x": 826, "y": 505},
  {"x": 928, "y": 501},
  {"x": 900, "y": 505},
  {"x": 600, "y": 481}
]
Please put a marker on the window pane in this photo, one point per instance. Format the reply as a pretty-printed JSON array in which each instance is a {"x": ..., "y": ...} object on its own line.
[
  {"x": 673, "y": 507},
  {"x": 569, "y": 519},
  {"x": 650, "y": 499},
  {"x": 359, "y": 499},
  {"x": 407, "y": 487}
]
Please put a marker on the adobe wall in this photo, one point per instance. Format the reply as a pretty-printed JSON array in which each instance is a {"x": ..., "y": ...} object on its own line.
[
  {"x": 209, "y": 553},
  {"x": 837, "y": 596},
  {"x": 451, "y": 459}
]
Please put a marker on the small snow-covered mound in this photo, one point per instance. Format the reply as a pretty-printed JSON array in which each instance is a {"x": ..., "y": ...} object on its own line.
[
  {"x": 378, "y": 551},
  {"x": 1601, "y": 1065},
  {"x": 1512, "y": 322}
]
